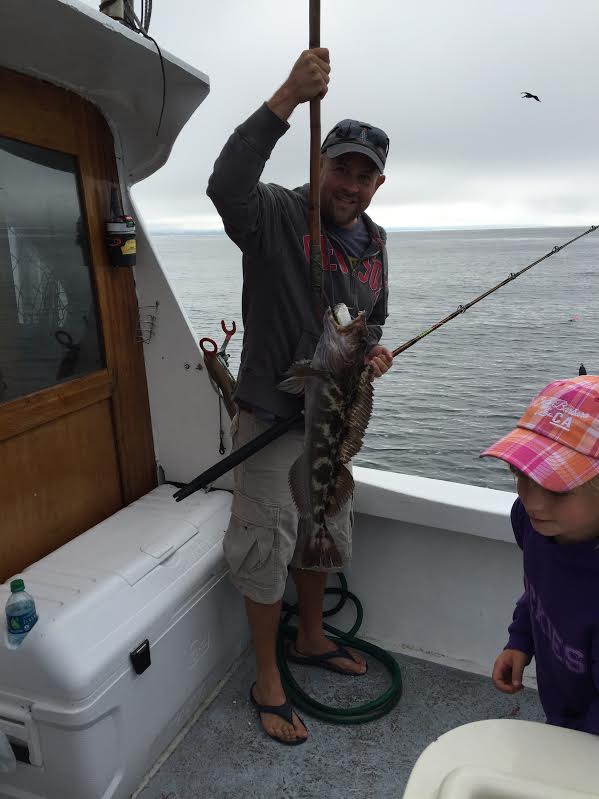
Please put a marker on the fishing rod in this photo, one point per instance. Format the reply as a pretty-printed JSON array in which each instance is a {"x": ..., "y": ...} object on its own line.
[
  {"x": 280, "y": 427},
  {"x": 237, "y": 456},
  {"x": 314, "y": 195},
  {"x": 463, "y": 308}
]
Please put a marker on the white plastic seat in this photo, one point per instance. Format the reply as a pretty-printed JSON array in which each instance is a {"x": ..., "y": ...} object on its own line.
[{"x": 507, "y": 759}]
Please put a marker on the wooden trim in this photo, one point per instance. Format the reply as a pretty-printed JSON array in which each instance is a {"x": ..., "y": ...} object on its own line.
[
  {"x": 45, "y": 406},
  {"x": 43, "y": 119},
  {"x": 117, "y": 300}
]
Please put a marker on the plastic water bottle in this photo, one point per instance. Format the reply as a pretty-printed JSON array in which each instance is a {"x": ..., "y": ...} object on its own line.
[{"x": 21, "y": 614}]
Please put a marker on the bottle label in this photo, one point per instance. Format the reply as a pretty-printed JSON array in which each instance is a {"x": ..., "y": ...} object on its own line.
[{"x": 19, "y": 625}]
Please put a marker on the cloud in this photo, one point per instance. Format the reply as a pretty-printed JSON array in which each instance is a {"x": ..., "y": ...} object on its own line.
[{"x": 443, "y": 79}]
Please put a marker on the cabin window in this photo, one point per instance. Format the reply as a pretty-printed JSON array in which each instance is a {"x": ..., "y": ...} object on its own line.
[{"x": 48, "y": 321}]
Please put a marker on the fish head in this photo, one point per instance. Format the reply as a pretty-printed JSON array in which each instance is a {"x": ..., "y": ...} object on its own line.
[{"x": 344, "y": 338}]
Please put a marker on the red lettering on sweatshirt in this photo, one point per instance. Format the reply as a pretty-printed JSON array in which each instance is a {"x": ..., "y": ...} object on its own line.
[
  {"x": 341, "y": 261},
  {"x": 332, "y": 258},
  {"x": 365, "y": 275},
  {"x": 375, "y": 275}
]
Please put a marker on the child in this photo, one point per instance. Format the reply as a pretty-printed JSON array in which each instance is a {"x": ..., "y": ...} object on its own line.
[{"x": 554, "y": 454}]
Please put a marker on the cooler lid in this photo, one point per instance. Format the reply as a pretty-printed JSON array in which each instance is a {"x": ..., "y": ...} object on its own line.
[{"x": 138, "y": 538}]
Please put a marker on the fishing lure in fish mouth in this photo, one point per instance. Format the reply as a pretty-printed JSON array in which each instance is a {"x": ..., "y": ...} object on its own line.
[
  {"x": 338, "y": 396},
  {"x": 341, "y": 315}
]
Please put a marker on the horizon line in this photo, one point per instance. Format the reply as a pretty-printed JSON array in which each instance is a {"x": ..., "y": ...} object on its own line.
[{"x": 410, "y": 229}]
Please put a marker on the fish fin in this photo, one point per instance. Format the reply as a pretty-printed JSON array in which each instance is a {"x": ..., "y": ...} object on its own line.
[
  {"x": 318, "y": 548},
  {"x": 304, "y": 535},
  {"x": 292, "y": 385},
  {"x": 297, "y": 485},
  {"x": 340, "y": 492},
  {"x": 357, "y": 418},
  {"x": 295, "y": 380}
]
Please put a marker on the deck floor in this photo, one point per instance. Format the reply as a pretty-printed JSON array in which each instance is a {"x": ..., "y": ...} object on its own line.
[{"x": 225, "y": 754}]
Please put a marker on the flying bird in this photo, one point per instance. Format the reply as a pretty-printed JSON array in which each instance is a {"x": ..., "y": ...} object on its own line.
[{"x": 529, "y": 96}]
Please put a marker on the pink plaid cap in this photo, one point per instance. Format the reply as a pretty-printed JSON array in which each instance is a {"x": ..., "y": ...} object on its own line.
[{"x": 556, "y": 442}]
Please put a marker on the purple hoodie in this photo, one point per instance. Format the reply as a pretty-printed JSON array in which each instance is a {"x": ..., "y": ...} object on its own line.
[{"x": 557, "y": 621}]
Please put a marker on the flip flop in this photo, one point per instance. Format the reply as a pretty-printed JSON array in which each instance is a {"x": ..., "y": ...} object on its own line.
[
  {"x": 324, "y": 659},
  {"x": 284, "y": 711}
]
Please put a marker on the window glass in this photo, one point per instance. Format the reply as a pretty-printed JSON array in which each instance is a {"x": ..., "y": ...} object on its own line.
[{"x": 48, "y": 320}]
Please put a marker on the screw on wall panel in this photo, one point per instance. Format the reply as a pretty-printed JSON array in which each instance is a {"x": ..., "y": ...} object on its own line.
[{"x": 187, "y": 366}]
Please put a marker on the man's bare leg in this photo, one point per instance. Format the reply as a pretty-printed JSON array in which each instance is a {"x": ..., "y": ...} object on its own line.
[
  {"x": 264, "y": 623},
  {"x": 311, "y": 639}
]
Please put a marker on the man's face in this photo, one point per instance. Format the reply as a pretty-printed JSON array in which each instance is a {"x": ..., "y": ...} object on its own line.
[{"x": 347, "y": 185}]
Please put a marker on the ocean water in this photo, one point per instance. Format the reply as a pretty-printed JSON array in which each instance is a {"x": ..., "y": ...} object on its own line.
[{"x": 465, "y": 385}]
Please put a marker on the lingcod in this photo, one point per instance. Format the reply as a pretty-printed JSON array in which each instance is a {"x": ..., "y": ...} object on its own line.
[{"x": 338, "y": 396}]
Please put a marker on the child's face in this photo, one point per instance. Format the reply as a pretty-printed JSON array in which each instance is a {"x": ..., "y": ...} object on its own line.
[{"x": 569, "y": 517}]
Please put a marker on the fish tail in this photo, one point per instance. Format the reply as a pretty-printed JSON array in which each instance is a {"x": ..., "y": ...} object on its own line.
[{"x": 317, "y": 546}]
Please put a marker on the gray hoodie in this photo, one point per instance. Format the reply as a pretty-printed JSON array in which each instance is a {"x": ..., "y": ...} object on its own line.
[{"x": 269, "y": 224}]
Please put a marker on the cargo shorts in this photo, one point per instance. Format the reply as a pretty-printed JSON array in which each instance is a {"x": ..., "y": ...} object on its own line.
[{"x": 260, "y": 542}]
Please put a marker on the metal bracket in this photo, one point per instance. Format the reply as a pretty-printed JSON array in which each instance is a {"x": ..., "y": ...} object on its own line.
[{"x": 147, "y": 325}]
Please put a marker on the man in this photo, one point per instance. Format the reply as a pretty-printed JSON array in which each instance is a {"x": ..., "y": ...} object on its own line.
[{"x": 270, "y": 225}]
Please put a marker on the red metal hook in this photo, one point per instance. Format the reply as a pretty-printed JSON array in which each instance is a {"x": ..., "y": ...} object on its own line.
[
  {"x": 229, "y": 334},
  {"x": 208, "y": 353}
]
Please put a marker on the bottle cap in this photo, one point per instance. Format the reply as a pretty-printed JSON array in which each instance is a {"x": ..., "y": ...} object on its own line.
[{"x": 17, "y": 585}]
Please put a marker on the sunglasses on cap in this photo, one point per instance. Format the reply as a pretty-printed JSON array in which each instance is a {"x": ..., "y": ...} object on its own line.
[{"x": 349, "y": 135}]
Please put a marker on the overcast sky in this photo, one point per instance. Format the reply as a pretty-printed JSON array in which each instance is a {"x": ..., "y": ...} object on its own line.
[{"x": 442, "y": 77}]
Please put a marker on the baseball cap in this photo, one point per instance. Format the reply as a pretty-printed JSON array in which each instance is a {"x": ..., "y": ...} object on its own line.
[
  {"x": 351, "y": 136},
  {"x": 556, "y": 442}
]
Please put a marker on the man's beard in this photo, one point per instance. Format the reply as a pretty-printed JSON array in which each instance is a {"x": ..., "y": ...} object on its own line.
[{"x": 340, "y": 216}]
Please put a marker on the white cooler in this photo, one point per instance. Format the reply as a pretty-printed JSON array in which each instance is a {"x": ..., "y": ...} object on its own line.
[{"x": 137, "y": 624}]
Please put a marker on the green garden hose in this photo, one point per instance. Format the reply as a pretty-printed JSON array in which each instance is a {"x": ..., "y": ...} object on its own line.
[{"x": 360, "y": 714}]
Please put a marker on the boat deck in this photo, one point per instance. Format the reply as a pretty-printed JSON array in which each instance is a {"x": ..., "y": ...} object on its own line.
[{"x": 224, "y": 753}]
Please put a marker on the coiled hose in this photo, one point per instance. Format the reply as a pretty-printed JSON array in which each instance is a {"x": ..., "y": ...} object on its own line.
[{"x": 360, "y": 714}]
